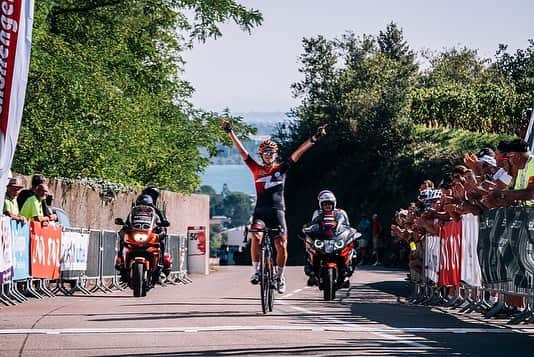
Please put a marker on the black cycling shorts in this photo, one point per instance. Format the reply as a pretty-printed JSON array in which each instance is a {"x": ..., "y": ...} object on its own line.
[{"x": 272, "y": 217}]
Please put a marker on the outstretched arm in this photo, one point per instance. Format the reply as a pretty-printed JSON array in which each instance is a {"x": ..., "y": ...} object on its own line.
[
  {"x": 321, "y": 131},
  {"x": 226, "y": 126}
]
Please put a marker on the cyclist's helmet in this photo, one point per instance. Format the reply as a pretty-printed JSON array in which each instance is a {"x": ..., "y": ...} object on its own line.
[
  {"x": 144, "y": 200},
  {"x": 267, "y": 144},
  {"x": 326, "y": 196},
  {"x": 151, "y": 191}
]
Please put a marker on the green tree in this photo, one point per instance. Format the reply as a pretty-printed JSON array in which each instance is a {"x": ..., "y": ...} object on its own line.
[
  {"x": 238, "y": 207},
  {"x": 360, "y": 86},
  {"x": 106, "y": 97}
]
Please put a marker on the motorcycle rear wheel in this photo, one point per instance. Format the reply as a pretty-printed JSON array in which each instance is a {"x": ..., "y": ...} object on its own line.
[{"x": 137, "y": 280}]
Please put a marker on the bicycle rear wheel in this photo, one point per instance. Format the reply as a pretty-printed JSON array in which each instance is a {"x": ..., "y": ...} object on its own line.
[
  {"x": 270, "y": 301},
  {"x": 265, "y": 281}
]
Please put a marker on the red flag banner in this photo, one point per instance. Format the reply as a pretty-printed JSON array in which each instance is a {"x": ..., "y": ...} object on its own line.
[{"x": 16, "y": 18}]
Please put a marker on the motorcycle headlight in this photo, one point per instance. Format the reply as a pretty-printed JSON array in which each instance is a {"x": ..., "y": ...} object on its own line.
[
  {"x": 140, "y": 237},
  {"x": 318, "y": 243},
  {"x": 339, "y": 244},
  {"x": 329, "y": 247}
]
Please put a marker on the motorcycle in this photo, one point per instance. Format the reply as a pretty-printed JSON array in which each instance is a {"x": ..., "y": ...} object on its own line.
[
  {"x": 335, "y": 257},
  {"x": 141, "y": 252}
]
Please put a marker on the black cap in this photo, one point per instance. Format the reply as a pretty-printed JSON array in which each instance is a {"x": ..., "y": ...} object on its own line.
[{"x": 38, "y": 179}]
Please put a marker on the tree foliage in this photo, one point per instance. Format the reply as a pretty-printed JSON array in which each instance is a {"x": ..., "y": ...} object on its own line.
[
  {"x": 105, "y": 96},
  {"x": 237, "y": 206},
  {"x": 360, "y": 86},
  {"x": 461, "y": 90}
]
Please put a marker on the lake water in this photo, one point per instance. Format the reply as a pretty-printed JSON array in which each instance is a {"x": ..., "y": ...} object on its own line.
[{"x": 237, "y": 177}]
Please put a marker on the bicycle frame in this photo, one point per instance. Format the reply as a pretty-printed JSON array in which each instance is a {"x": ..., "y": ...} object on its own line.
[{"x": 267, "y": 280}]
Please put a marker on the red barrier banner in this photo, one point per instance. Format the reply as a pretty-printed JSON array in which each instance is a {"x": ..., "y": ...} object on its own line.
[
  {"x": 451, "y": 254},
  {"x": 45, "y": 247}
]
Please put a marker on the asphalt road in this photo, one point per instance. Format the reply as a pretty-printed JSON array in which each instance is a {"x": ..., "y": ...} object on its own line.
[{"x": 220, "y": 315}]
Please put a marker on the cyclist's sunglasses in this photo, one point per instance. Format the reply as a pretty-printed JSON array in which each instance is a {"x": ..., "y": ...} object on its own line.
[{"x": 268, "y": 151}]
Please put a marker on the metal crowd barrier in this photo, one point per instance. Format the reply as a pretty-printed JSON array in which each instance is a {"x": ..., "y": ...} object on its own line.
[
  {"x": 501, "y": 263},
  {"x": 87, "y": 263},
  {"x": 176, "y": 245}
]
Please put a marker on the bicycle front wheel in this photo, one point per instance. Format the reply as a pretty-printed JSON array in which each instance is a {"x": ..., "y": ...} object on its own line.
[{"x": 265, "y": 280}]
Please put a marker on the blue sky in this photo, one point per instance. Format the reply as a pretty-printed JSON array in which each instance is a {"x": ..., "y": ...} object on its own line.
[{"x": 254, "y": 72}]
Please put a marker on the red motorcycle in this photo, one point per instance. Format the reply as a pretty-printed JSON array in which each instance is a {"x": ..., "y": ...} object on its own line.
[
  {"x": 141, "y": 252},
  {"x": 334, "y": 257}
]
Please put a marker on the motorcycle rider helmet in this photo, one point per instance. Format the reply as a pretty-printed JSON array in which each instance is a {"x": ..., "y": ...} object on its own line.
[
  {"x": 144, "y": 200},
  {"x": 153, "y": 192},
  {"x": 326, "y": 196},
  {"x": 268, "y": 145}
]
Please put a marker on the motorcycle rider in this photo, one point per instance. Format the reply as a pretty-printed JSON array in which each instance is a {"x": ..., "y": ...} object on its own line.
[
  {"x": 329, "y": 219},
  {"x": 148, "y": 197}
]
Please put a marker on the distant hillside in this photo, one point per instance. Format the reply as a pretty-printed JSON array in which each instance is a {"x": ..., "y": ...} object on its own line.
[{"x": 262, "y": 117}]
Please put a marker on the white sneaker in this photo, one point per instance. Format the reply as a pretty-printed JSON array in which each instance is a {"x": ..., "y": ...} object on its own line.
[
  {"x": 255, "y": 278},
  {"x": 281, "y": 284}
]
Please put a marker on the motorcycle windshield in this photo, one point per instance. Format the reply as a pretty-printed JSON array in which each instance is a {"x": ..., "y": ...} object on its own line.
[
  {"x": 329, "y": 246},
  {"x": 143, "y": 217}
]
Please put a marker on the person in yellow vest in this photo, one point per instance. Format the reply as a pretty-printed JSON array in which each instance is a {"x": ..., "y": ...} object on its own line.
[
  {"x": 11, "y": 207},
  {"x": 521, "y": 159},
  {"x": 33, "y": 208}
]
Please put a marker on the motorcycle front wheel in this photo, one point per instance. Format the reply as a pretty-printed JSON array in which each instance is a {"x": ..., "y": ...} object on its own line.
[
  {"x": 137, "y": 280},
  {"x": 329, "y": 284}
]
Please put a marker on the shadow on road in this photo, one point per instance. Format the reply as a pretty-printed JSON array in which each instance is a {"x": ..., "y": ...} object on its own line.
[
  {"x": 342, "y": 347},
  {"x": 398, "y": 315}
]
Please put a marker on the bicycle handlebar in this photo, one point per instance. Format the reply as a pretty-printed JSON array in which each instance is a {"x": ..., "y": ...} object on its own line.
[{"x": 271, "y": 231}]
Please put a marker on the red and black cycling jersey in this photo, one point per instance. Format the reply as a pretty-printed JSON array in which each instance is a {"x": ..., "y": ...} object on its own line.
[{"x": 269, "y": 182}]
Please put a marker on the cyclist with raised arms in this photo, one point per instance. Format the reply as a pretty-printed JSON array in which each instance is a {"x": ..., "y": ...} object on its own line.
[{"x": 269, "y": 179}]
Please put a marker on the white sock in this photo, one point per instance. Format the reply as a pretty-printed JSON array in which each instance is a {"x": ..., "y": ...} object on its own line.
[
  {"x": 256, "y": 266},
  {"x": 280, "y": 271}
]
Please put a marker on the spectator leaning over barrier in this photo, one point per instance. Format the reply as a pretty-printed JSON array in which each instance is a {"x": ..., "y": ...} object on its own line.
[
  {"x": 37, "y": 179},
  {"x": 504, "y": 163},
  {"x": 11, "y": 207},
  {"x": 33, "y": 208},
  {"x": 522, "y": 160}
]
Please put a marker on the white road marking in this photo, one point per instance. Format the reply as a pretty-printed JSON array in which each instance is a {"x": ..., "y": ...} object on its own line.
[
  {"x": 360, "y": 328},
  {"x": 381, "y": 331}
]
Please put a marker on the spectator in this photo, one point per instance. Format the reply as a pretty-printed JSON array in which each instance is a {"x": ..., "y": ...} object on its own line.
[
  {"x": 364, "y": 227},
  {"x": 376, "y": 235},
  {"x": 522, "y": 161},
  {"x": 37, "y": 179},
  {"x": 11, "y": 207},
  {"x": 33, "y": 208}
]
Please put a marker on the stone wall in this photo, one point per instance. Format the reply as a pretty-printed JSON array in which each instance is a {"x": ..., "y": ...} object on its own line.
[{"x": 87, "y": 208}]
